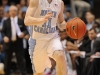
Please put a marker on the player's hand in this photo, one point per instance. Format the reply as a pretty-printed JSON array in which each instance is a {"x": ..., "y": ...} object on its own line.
[
  {"x": 26, "y": 37},
  {"x": 22, "y": 35},
  {"x": 6, "y": 39},
  {"x": 46, "y": 17}
]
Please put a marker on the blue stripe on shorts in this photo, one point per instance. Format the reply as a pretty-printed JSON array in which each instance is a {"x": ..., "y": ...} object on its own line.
[
  {"x": 32, "y": 44},
  {"x": 30, "y": 29}
]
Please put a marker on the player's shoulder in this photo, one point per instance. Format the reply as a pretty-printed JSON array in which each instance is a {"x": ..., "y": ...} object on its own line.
[
  {"x": 33, "y": 2},
  {"x": 60, "y": 1}
]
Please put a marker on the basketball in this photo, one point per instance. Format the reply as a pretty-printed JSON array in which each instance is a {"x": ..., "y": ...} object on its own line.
[{"x": 76, "y": 28}]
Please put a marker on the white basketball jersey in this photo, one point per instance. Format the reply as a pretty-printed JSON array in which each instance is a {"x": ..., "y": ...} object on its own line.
[{"x": 48, "y": 30}]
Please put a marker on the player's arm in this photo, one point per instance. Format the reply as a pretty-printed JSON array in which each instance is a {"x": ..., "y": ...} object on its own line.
[
  {"x": 61, "y": 20},
  {"x": 29, "y": 17}
]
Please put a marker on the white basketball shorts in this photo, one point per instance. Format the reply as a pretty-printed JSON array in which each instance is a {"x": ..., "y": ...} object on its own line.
[{"x": 40, "y": 51}]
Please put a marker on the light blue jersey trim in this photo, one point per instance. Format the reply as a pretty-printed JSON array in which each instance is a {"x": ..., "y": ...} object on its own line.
[
  {"x": 30, "y": 29},
  {"x": 32, "y": 43}
]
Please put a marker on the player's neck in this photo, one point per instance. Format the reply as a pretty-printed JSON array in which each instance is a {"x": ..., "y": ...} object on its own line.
[{"x": 49, "y": 1}]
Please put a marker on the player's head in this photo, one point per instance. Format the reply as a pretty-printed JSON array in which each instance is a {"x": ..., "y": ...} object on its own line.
[
  {"x": 92, "y": 33},
  {"x": 13, "y": 11}
]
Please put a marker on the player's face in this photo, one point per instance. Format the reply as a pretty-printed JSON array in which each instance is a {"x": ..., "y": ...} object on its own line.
[
  {"x": 63, "y": 35},
  {"x": 92, "y": 34}
]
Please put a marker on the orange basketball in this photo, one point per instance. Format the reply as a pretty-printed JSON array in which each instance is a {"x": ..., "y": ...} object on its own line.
[{"x": 76, "y": 28}]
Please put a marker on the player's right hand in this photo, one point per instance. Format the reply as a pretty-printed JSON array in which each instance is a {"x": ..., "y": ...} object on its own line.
[
  {"x": 6, "y": 39},
  {"x": 45, "y": 18},
  {"x": 48, "y": 15}
]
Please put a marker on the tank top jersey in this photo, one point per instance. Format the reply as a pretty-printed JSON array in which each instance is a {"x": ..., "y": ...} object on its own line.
[{"x": 48, "y": 30}]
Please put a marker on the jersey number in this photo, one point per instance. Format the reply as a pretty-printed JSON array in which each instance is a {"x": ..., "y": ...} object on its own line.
[{"x": 48, "y": 24}]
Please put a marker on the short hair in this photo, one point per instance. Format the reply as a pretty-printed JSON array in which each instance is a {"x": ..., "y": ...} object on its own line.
[
  {"x": 93, "y": 29},
  {"x": 62, "y": 31},
  {"x": 13, "y": 6}
]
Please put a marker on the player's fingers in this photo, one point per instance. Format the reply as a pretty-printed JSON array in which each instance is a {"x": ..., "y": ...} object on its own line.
[
  {"x": 48, "y": 16},
  {"x": 45, "y": 20},
  {"x": 49, "y": 13}
]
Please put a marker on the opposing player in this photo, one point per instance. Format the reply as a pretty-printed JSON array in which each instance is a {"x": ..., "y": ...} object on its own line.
[{"x": 44, "y": 42}]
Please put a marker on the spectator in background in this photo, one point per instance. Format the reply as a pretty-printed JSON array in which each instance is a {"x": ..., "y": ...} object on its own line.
[
  {"x": 1, "y": 39},
  {"x": 85, "y": 15},
  {"x": 90, "y": 48},
  {"x": 28, "y": 2},
  {"x": 65, "y": 11},
  {"x": 1, "y": 68},
  {"x": 68, "y": 15},
  {"x": 98, "y": 20},
  {"x": 18, "y": 6},
  {"x": 6, "y": 15},
  {"x": 2, "y": 18},
  {"x": 81, "y": 6},
  {"x": 4, "y": 4},
  {"x": 20, "y": 14},
  {"x": 13, "y": 33},
  {"x": 23, "y": 4},
  {"x": 97, "y": 27},
  {"x": 6, "y": 8},
  {"x": 95, "y": 47},
  {"x": 92, "y": 34},
  {"x": 91, "y": 3},
  {"x": 88, "y": 13},
  {"x": 90, "y": 21},
  {"x": 22, "y": 7}
]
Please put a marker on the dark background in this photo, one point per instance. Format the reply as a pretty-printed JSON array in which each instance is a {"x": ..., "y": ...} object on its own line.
[
  {"x": 17, "y": 1},
  {"x": 95, "y": 10}
]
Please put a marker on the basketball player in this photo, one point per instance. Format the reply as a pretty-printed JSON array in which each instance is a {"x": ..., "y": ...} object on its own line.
[{"x": 44, "y": 42}]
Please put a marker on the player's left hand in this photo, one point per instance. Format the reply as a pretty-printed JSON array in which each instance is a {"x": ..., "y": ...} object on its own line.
[
  {"x": 26, "y": 37},
  {"x": 22, "y": 35}
]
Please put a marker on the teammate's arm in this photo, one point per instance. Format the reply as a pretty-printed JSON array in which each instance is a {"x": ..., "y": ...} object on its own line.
[
  {"x": 29, "y": 17},
  {"x": 61, "y": 21}
]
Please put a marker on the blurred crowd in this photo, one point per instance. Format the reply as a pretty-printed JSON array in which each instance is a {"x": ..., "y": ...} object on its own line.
[{"x": 83, "y": 55}]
